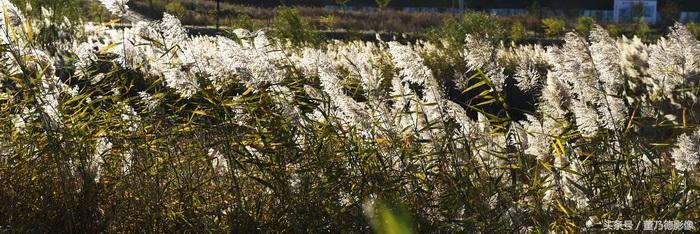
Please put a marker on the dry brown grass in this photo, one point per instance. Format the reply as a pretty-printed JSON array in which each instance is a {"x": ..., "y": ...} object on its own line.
[{"x": 202, "y": 12}]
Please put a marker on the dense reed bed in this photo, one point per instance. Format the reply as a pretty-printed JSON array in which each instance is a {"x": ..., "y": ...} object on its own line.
[{"x": 149, "y": 129}]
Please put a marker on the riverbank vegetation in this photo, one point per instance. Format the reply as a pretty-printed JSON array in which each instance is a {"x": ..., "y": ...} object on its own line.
[{"x": 146, "y": 128}]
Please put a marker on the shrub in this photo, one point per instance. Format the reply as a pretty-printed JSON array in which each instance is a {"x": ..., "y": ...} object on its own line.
[
  {"x": 584, "y": 25},
  {"x": 694, "y": 28},
  {"x": 517, "y": 31},
  {"x": 328, "y": 21},
  {"x": 475, "y": 23},
  {"x": 613, "y": 30},
  {"x": 553, "y": 27},
  {"x": 288, "y": 25},
  {"x": 244, "y": 21},
  {"x": 175, "y": 8},
  {"x": 642, "y": 29}
]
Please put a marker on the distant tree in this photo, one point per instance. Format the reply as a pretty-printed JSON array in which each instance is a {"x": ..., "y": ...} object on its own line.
[
  {"x": 218, "y": 13},
  {"x": 535, "y": 10},
  {"x": 342, "y": 3},
  {"x": 382, "y": 4},
  {"x": 643, "y": 30},
  {"x": 637, "y": 11},
  {"x": 670, "y": 12}
]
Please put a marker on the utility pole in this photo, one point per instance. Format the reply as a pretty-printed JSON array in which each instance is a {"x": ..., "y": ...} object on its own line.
[{"x": 218, "y": 14}]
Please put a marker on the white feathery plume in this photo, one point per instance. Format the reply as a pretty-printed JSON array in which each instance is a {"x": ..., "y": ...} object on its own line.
[
  {"x": 673, "y": 60},
  {"x": 52, "y": 88},
  {"x": 130, "y": 117},
  {"x": 478, "y": 53},
  {"x": 576, "y": 68},
  {"x": 218, "y": 161},
  {"x": 556, "y": 97},
  {"x": 586, "y": 118},
  {"x": 573, "y": 70},
  {"x": 481, "y": 54},
  {"x": 360, "y": 58},
  {"x": 686, "y": 155},
  {"x": 13, "y": 14},
  {"x": 634, "y": 57},
  {"x": 172, "y": 29},
  {"x": 527, "y": 76},
  {"x": 526, "y": 60},
  {"x": 149, "y": 101},
  {"x": 351, "y": 112},
  {"x": 183, "y": 83},
  {"x": 605, "y": 55},
  {"x": 413, "y": 71},
  {"x": 538, "y": 137},
  {"x": 404, "y": 99},
  {"x": 219, "y": 59}
]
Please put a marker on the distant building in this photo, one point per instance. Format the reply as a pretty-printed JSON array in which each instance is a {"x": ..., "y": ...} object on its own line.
[
  {"x": 626, "y": 10},
  {"x": 508, "y": 11},
  {"x": 689, "y": 16},
  {"x": 690, "y": 10}
]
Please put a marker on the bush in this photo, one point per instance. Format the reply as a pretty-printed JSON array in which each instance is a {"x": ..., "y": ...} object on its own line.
[
  {"x": 584, "y": 25},
  {"x": 518, "y": 31},
  {"x": 642, "y": 29},
  {"x": 694, "y": 28},
  {"x": 553, "y": 27},
  {"x": 288, "y": 25},
  {"x": 244, "y": 21},
  {"x": 175, "y": 8},
  {"x": 613, "y": 30},
  {"x": 454, "y": 31},
  {"x": 327, "y": 21}
]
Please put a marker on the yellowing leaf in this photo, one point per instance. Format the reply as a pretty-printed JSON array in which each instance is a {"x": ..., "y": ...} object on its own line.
[{"x": 563, "y": 208}]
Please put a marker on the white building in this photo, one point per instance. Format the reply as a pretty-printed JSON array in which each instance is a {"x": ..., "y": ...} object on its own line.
[{"x": 623, "y": 10}]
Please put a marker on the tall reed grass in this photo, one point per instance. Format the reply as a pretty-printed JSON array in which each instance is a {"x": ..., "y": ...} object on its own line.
[{"x": 149, "y": 129}]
